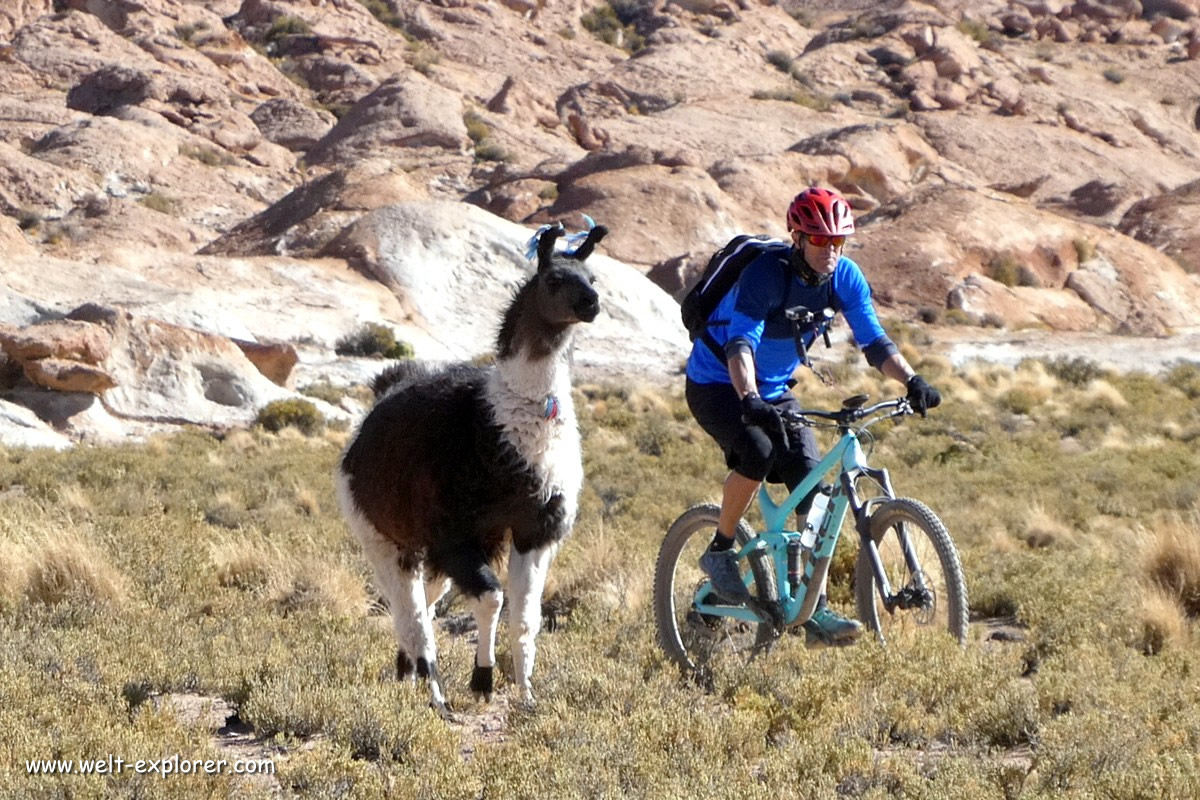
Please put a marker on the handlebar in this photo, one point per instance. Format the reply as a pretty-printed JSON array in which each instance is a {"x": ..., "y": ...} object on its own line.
[{"x": 850, "y": 412}]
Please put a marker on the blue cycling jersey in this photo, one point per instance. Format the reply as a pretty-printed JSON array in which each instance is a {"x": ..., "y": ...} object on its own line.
[{"x": 753, "y": 312}]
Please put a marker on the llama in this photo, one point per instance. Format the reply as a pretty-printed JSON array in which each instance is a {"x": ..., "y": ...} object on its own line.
[{"x": 452, "y": 463}]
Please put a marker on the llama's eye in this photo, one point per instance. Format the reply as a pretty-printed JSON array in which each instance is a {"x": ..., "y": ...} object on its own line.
[{"x": 592, "y": 280}]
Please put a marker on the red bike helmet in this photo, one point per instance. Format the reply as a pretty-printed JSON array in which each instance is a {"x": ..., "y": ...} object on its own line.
[{"x": 821, "y": 212}]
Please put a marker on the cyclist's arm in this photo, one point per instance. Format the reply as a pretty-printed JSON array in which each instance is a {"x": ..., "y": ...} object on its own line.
[
  {"x": 741, "y": 370},
  {"x": 897, "y": 367}
]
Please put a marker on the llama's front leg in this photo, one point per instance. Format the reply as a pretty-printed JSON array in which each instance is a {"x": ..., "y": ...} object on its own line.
[
  {"x": 475, "y": 578},
  {"x": 526, "y": 580}
]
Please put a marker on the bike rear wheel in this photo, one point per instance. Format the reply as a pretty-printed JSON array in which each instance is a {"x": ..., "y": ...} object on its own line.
[
  {"x": 700, "y": 643},
  {"x": 932, "y": 598}
]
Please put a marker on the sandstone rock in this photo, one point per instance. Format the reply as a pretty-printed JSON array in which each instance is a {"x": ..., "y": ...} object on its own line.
[
  {"x": 58, "y": 339},
  {"x": 16, "y": 13},
  {"x": 1177, "y": 9},
  {"x": 305, "y": 220},
  {"x": 21, "y": 427},
  {"x": 290, "y": 124},
  {"x": 442, "y": 258},
  {"x": 109, "y": 88},
  {"x": 407, "y": 110},
  {"x": 12, "y": 240},
  {"x": 68, "y": 376},
  {"x": 1169, "y": 222},
  {"x": 949, "y": 95},
  {"x": 275, "y": 360}
]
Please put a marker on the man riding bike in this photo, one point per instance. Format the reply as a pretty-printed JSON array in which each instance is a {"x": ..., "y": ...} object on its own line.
[{"x": 739, "y": 374}]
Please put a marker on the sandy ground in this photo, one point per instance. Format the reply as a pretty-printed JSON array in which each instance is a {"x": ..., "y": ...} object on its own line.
[{"x": 1123, "y": 353}]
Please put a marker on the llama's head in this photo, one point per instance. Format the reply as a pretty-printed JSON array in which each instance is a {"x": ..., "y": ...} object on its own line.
[
  {"x": 559, "y": 295},
  {"x": 564, "y": 282}
]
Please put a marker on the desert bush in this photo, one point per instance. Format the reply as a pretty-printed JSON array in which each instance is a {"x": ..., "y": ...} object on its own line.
[
  {"x": 290, "y": 413},
  {"x": 163, "y": 204},
  {"x": 1085, "y": 250},
  {"x": 605, "y": 24},
  {"x": 477, "y": 127},
  {"x": 286, "y": 25},
  {"x": 384, "y": 13},
  {"x": 956, "y": 316},
  {"x": 1077, "y": 370},
  {"x": 206, "y": 155},
  {"x": 780, "y": 60},
  {"x": 491, "y": 151},
  {"x": 1004, "y": 269},
  {"x": 373, "y": 339},
  {"x": 1114, "y": 75},
  {"x": 1185, "y": 376}
]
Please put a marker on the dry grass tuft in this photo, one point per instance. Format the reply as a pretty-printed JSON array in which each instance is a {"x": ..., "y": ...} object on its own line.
[
  {"x": 241, "y": 564},
  {"x": 1171, "y": 562},
  {"x": 1043, "y": 530},
  {"x": 288, "y": 581},
  {"x": 314, "y": 585},
  {"x": 66, "y": 565},
  {"x": 306, "y": 501},
  {"x": 1102, "y": 395},
  {"x": 13, "y": 560},
  {"x": 1163, "y": 623}
]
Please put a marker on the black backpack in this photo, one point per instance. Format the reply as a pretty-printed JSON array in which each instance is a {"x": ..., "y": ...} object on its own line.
[{"x": 718, "y": 278}]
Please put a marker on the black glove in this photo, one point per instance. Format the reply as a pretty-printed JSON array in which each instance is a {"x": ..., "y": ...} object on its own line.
[
  {"x": 756, "y": 411},
  {"x": 922, "y": 396}
]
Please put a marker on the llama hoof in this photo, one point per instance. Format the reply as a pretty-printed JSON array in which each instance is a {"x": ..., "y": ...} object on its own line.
[
  {"x": 527, "y": 700},
  {"x": 482, "y": 683}
]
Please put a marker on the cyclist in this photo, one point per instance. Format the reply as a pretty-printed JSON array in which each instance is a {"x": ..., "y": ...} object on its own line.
[{"x": 739, "y": 376}]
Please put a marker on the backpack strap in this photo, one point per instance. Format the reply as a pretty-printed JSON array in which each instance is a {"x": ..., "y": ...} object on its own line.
[{"x": 712, "y": 343}]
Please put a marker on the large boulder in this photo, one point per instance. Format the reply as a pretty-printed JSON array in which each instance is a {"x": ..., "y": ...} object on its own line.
[
  {"x": 454, "y": 267},
  {"x": 1170, "y": 223},
  {"x": 406, "y": 111}
]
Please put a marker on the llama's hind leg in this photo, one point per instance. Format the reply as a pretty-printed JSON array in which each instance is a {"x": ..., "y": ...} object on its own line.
[
  {"x": 405, "y": 591},
  {"x": 526, "y": 580},
  {"x": 476, "y": 579}
]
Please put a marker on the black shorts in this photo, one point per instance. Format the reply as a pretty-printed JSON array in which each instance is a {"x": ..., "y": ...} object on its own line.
[{"x": 748, "y": 450}]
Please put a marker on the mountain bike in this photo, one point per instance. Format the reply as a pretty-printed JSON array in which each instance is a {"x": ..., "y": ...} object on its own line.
[{"x": 908, "y": 578}]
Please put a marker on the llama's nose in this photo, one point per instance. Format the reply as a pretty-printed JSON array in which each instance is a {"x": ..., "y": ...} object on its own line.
[{"x": 587, "y": 307}]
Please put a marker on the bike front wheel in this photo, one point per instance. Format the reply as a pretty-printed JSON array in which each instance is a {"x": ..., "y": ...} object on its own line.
[
  {"x": 697, "y": 642},
  {"x": 928, "y": 589}
]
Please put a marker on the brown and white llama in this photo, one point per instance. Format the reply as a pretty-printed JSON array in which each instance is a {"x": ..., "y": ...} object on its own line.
[{"x": 454, "y": 463}]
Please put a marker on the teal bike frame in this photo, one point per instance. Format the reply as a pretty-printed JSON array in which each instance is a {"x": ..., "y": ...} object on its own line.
[{"x": 798, "y": 603}]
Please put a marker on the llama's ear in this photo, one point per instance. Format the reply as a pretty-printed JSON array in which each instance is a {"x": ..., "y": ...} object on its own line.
[
  {"x": 545, "y": 248},
  {"x": 593, "y": 238}
]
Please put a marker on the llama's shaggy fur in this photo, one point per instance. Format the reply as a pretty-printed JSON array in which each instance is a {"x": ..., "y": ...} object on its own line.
[{"x": 454, "y": 463}]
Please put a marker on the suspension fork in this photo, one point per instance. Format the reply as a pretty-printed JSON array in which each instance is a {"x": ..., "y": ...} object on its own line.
[{"x": 862, "y": 521}]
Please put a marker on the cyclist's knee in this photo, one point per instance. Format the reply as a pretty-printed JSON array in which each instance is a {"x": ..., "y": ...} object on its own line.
[{"x": 753, "y": 454}]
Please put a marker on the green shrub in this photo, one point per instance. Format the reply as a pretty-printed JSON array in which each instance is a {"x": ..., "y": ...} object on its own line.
[
  {"x": 1185, "y": 376},
  {"x": 604, "y": 23},
  {"x": 1003, "y": 268},
  {"x": 780, "y": 60},
  {"x": 1114, "y": 75},
  {"x": 929, "y": 315},
  {"x": 163, "y": 204},
  {"x": 802, "y": 97},
  {"x": 477, "y": 128},
  {"x": 956, "y": 316},
  {"x": 207, "y": 155},
  {"x": 422, "y": 57},
  {"x": 287, "y": 25},
  {"x": 1077, "y": 371},
  {"x": 294, "y": 413},
  {"x": 28, "y": 219},
  {"x": 383, "y": 12},
  {"x": 490, "y": 151},
  {"x": 373, "y": 339},
  {"x": 1085, "y": 251}
]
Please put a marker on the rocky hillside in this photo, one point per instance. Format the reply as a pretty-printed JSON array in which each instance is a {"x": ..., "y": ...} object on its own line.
[{"x": 199, "y": 198}]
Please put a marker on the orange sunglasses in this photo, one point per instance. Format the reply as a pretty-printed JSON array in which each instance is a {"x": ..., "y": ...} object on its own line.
[{"x": 817, "y": 240}]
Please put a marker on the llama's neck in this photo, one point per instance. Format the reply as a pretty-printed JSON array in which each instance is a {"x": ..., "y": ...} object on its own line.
[
  {"x": 530, "y": 380},
  {"x": 548, "y": 444}
]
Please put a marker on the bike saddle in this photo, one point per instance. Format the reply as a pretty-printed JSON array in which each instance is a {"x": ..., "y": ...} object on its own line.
[{"x": 856, "y": 401}]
